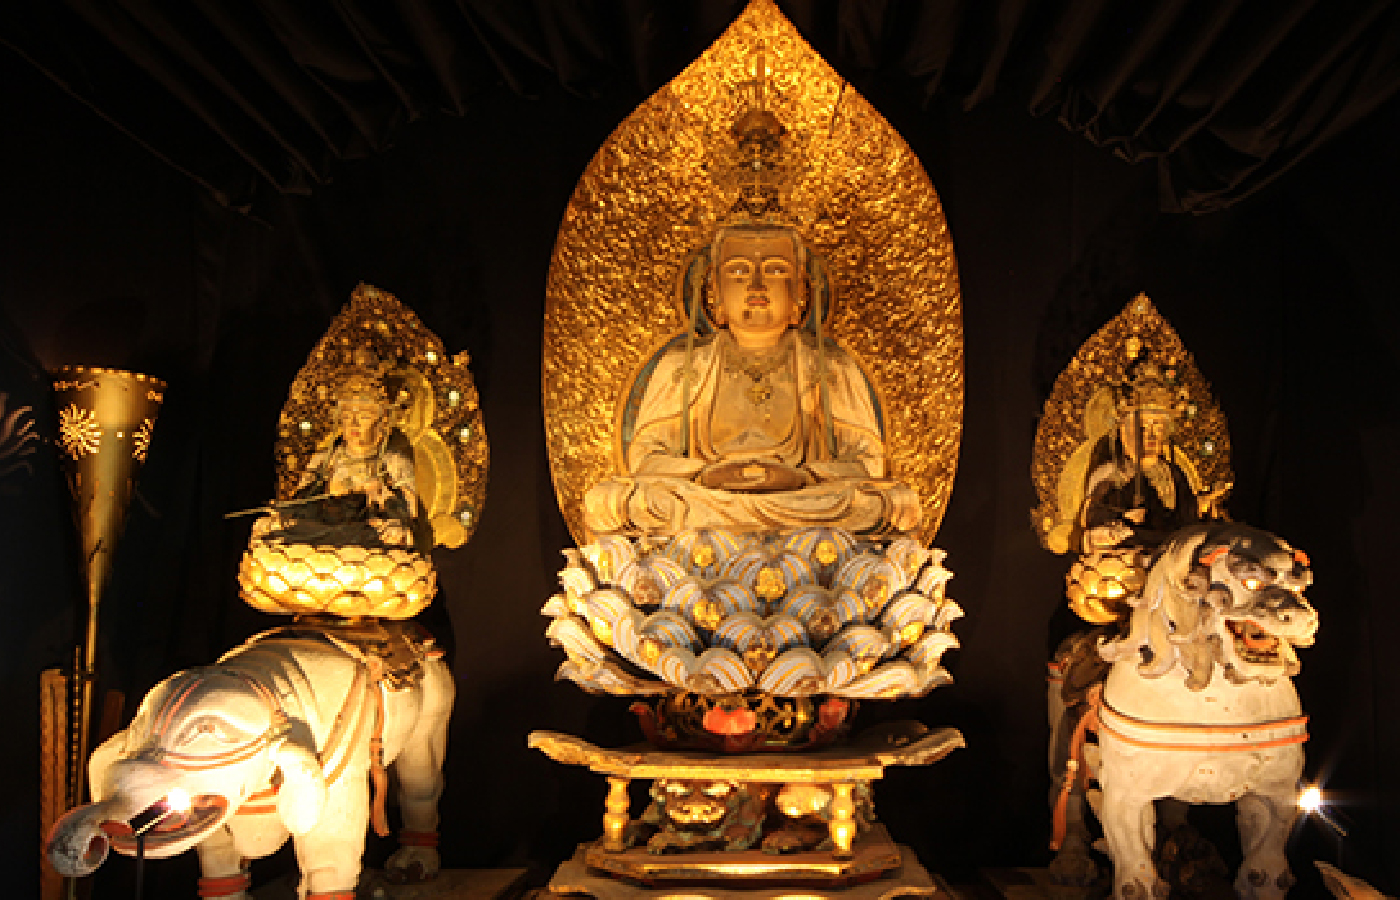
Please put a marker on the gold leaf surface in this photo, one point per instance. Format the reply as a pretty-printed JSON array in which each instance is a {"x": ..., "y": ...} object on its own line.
[{"x": 645, "y": 203}]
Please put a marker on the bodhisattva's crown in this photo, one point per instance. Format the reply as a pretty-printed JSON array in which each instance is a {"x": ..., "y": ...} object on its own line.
[
  {"x": 1148, "y": 388},
  {"x": 758, "y": 161}
]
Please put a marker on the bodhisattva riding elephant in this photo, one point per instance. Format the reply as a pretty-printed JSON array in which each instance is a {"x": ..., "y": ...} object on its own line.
[{"x": 279, "y": 738}]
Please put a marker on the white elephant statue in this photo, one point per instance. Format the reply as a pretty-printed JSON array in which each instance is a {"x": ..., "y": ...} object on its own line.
[
  {"x": 1198, "y": 704},
  {"x": 283, "y": 736}
]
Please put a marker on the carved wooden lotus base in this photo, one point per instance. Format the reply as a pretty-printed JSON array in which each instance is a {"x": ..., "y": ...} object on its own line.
[
  {"x": 296, "y": 579},
  {"x": 1099, "y": 584}
]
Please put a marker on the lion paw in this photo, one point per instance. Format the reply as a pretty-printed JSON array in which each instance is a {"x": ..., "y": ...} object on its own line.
[{"x": 411, "y": 865}]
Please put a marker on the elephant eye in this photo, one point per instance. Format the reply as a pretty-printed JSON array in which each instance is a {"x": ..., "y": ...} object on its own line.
[{"x": 214, "y": 729}]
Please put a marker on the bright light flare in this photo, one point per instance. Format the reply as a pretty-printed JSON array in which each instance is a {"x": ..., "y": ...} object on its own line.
[
  {"x": 1310, "y": 800},
  {"x": 178, "y": 800}
]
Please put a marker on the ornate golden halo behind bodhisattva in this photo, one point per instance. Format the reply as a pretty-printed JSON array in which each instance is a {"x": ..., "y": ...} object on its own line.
[
  {"x": 436, "y": 408},
  {"x": 646, "y": 202},
  {"x": 1060, "y": 459}
]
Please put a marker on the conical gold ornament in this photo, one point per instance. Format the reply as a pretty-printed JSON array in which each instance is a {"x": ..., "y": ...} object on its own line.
[
  {"x": 653, "y": 195},
  {"x": 105, "y": 420}
]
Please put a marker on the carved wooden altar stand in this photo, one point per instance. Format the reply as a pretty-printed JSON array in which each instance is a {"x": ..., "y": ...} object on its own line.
[{"x": 868, "y": 865}]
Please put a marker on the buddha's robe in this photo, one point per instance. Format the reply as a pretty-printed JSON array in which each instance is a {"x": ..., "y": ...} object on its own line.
[{"x": 747, "y": 407}]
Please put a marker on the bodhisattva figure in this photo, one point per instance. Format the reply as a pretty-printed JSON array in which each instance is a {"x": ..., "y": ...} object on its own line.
[
  {"x": 1136, "y": 494},
  {"x": 1135, "y": 497},
  {"x": 1132, "y": 481},
  {"x": 765, "y": 430},
  {"x": 361, "y": 490}
]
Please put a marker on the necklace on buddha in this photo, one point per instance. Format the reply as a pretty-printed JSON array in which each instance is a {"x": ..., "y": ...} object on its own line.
[{"x": 759, "y": 371}]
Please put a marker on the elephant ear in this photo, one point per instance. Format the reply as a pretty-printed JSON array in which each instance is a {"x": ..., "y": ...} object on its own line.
[{"x": 302, "y": 795}]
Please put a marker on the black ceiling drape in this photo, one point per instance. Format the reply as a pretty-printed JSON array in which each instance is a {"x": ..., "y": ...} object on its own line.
[{"x": 246, "y": 97}]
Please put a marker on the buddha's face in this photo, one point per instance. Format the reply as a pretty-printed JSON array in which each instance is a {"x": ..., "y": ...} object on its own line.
[
  {"x": 756, "y": 285},
  {"x": 361, "y": 424},
  {"x": 1153, "y": 425}
]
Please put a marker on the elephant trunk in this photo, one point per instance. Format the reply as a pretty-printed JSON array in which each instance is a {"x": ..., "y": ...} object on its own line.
[{"x": 77, "y": 845}]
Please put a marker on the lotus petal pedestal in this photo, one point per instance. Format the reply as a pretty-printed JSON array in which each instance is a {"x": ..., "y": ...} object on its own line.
[{"x": 862, "y": 864}]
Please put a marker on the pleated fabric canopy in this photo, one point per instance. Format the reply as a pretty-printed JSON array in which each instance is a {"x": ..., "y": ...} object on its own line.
[{"x": 247, "y": 97}]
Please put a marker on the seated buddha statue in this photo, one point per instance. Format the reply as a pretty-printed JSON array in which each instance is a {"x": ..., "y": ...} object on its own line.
[
  {"x": 765, "y": 429},
  {"x": 360, "y": 490}
]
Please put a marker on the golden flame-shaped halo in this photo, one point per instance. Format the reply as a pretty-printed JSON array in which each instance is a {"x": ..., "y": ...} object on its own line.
[
  {"x": 1080, "y": 411},
  {"x": 436, "y": 407},
  {"x": 646, "y": 202}
]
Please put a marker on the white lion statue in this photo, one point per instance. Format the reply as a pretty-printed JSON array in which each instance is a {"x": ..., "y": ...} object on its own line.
[{"x": 1198, "y": 704}]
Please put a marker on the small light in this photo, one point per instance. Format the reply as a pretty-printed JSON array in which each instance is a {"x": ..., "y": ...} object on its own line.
[
  {"x": 1310, "y": 800},
  {"x": 1207, "y": 448},
  {"x": 305, "y": 427},
  {"x": 179, "y": 799},
  {"x": 464, "y": 433},
  {"x": 430, "y": 356},
  {"x": 454, "y": 397}
]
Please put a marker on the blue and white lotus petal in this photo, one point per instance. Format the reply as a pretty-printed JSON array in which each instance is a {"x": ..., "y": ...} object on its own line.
[
  {"x": 706, "y": 551},
  {"x": 872, "y": 578},
  {"x": 576, "y": 638},
  {"x": 603, "y": 609},
  {"x": 608, "y": 555},
  {"x": 909, "y": 555},
  {"x": 716, "y": 671},
  {"x": 862, "y": 643},
  {"x": 796, "y": 673},
  {"x": 745, "y": 630},
  {"x": 933, "y": 578},
  {"x": 825, "y": 549},
  {"x": 648, "y": 579},
  {"x": 770, "y": 575},
  {"x": 608, "y": 678},
  {"x": 739, "y": 632},
  {"x": 555, "y": 607},
  {"x": 948, "y": 613},
  {"x": 809, "y": 611},
  {"x": 720, "y": 601},
  {"x": 928, "y": 652},
  {"x": 906, "y": 618},
  {"x": 671, "y": 629},
  {"x": 840, "y": 669},
  {"x": 887, "y": 682},
  {"x": 577, "y": 581}
]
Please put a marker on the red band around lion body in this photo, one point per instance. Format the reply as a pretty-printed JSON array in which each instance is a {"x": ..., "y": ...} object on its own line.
[
  {"x": 225, "y": 886},
  {"x": 417, "y": 838}
]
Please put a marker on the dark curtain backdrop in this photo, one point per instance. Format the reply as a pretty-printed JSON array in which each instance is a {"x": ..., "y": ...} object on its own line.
[
  {"x": 251, "y": 99},
  {"x": 108, "y": 256}
]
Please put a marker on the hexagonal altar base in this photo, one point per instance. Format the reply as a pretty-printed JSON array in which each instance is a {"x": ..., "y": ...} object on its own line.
[
  {"x": 872, "y": 855},
  {"x": 907, "y": 879}
]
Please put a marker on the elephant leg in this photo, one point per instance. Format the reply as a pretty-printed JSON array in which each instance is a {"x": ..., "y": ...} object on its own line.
[
  {"x": 223, "y": 870},
  {"x": 329, "y": 854},
  {"x": 1265, "y": 821},
  {"x": 1129, "y": 823},
  {"x": 419, "y": 771}
]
